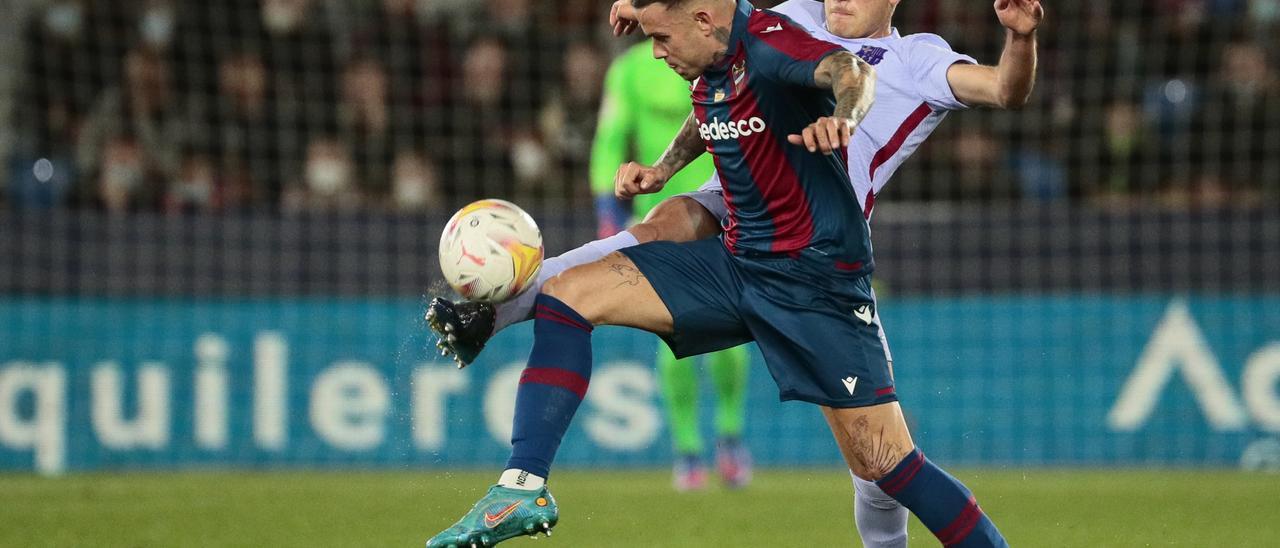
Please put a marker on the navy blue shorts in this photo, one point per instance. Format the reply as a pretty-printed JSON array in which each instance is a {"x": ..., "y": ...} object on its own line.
[{"x": 815, "y": 325}]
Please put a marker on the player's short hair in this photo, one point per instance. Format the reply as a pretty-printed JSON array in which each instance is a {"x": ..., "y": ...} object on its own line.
[{"x": 638, "y": 4}]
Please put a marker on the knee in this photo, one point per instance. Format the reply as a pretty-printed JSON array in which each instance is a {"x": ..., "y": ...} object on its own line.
[
  {"x": 646, "y": 231},
  {"x": 873, "y": 461},
  {"x": 564, "y": 289},
  {"x": 866, "y": 473},
  {"x": 676, "y": 219},
  {"x": 664, "y": 224},
  {"x": 560, "y": 286},
  {"x": 872, "y": 439}
]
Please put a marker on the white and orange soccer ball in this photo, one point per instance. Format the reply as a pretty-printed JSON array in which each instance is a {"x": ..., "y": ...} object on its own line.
[{"x": 490, "y": 251}]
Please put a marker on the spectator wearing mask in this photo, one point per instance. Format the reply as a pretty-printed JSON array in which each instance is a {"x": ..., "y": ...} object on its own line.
[
  {"x": 415, "y": 184},
  {"x": 327, "y": 181},
  {"x": 143, "y": 110},
  {"x": 123, "y": 183}
]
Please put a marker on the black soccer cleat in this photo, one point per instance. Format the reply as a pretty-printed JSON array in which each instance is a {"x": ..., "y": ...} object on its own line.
[{"x": 463, "y": 328}]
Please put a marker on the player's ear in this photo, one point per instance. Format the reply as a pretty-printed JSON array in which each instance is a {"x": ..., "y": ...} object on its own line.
[{"x": 702, "y": 18}]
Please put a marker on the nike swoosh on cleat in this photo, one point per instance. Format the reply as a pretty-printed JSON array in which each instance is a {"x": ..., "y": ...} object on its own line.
[{"x": 492, "y": 520}]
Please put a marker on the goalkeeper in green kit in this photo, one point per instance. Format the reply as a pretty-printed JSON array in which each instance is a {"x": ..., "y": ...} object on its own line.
[{"x": 645, "y": 103}]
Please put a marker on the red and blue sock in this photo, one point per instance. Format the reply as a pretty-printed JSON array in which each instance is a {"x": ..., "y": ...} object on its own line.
[
  {"x": 552, "y": 385},
  {"x": 941, "y": 502}
]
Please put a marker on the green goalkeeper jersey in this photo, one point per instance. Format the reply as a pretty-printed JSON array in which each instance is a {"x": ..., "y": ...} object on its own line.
[{"x": 645, "y": 103}]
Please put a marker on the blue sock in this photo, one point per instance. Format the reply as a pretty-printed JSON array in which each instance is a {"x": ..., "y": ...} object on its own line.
[
  {"x": 941, "y": 502},
  {"x": 552, "y": 385}
]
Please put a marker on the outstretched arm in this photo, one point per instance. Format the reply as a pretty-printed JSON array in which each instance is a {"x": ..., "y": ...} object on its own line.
[
  {"x": 633, "y": 178},
  {"x": 1008, "y": 84},
  {"x": 853, "y": 82}
]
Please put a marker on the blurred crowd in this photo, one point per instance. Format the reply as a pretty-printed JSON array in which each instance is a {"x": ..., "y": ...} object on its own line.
[
  {"x": 423, "y": 105},
  {"x": 1139, "y": 103},
  {"x": 303, "y": 104}
]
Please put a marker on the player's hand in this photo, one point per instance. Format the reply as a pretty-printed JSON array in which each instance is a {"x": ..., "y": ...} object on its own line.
[
  {"x": 1020, "y": 16},
  {"x": 825, "y": 135},
  {"x": 622, "y": 17},
  {"x": 633, "y": 179}
]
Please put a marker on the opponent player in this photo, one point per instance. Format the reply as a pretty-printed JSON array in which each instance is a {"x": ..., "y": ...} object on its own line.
[
  {"x": 914, "y": 71},
  {"x": 792, "y": 270},
  {"x": 644, "y": 104}
]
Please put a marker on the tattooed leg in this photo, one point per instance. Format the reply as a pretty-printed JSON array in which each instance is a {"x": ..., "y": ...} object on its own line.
[
  {"x": 872, "y": 439},
  {"x": 878, "y": 448},
  {"x": 627, "y": 274},
  {"x": 611, "y": 291}
]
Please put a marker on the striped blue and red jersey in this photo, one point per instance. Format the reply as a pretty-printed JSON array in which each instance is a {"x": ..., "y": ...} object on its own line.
[{"x": 782, "y": 199}]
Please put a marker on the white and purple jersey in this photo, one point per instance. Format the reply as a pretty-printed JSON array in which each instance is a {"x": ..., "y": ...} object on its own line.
[{"x": 912, "y": 97}]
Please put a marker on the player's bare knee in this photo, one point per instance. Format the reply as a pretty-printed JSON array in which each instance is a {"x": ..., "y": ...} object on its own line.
[
  {"x": 645, "y": 232},
  {"x": 874, "y": 460},
  {"x": 581, "y": 287},
  {"x": 563, "y": 287},
  {"x": 676, "y": 219},
  {"x": 873, "y": 439}
]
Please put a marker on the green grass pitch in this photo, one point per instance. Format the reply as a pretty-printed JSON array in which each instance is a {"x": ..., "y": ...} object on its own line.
[{"x": 620, "y": 508}]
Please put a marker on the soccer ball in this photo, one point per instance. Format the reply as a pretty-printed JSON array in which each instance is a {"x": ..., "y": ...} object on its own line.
[{"x": 490, "y": 251}]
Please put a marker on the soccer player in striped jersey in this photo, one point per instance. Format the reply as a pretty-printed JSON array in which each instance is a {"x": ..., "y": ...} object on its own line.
[
  {"x": 920, "y": 79},
  {"x": 644, "y": 104}
]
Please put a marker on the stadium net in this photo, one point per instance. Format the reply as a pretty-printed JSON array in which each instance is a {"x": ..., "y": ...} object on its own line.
[{"x": 166, "y": 159}]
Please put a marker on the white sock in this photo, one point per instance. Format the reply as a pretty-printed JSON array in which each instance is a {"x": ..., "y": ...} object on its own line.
[
  {"x": 520, "y": 308},
  {"x": 515, "y": 478},
  {"x": 882, "y": 520}
]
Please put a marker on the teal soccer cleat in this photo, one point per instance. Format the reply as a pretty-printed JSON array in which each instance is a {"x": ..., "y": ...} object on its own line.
[{"x": 502, "y": 514}]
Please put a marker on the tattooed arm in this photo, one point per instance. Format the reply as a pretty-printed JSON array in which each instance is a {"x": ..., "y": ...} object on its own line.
[
  {"x": 853, "y": 82},
  {"x": 685, "y": 148},
  {"x": 634, "y": 178}
]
